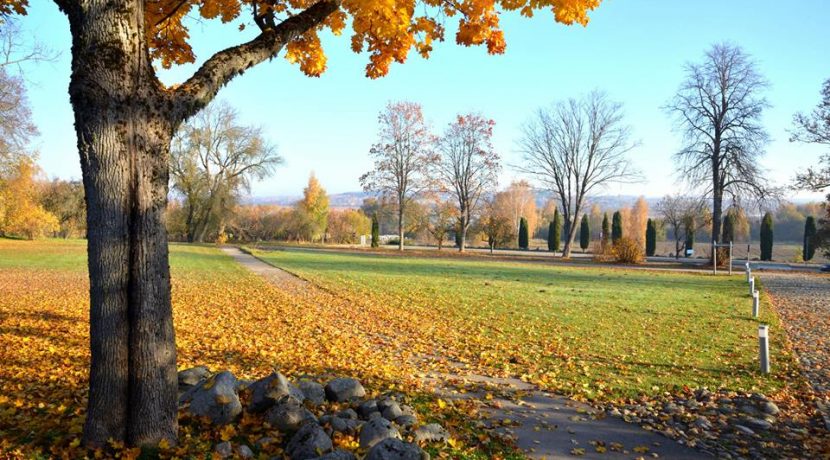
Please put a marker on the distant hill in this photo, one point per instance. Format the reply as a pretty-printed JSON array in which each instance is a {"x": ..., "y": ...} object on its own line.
[
  {"x": 353, "y": 200},
  {"x": 348, "y": 200}
]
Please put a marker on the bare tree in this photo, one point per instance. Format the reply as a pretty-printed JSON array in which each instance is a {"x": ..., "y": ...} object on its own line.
[
  {"x": 16, "y": 126},
  {"x": 469, "y": 166},
  {"x": 16, "y": 51},
  {"x": 576, "y": 147},
  {"x": 718, "y": 110},
  {"x": 682, "y": 214},
  {"x": 403, "y": 157},
  {"x": 814, "y": 128},
  {"x": 213, "y": 160}
]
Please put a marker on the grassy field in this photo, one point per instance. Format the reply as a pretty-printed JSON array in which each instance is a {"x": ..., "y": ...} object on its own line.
[
  {"x": 599, "y": 333},
  {"x": 593, "y": 333}
]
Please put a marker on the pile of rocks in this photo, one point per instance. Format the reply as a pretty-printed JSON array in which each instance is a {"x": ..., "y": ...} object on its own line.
[
  {"x": 299, "y": 412},
  {"x": 726, "y": 424}
]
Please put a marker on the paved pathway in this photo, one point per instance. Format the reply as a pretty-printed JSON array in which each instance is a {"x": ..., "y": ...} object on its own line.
[
  {"x": 545, "y": 426},
  {"x": 803, "y": 301}
]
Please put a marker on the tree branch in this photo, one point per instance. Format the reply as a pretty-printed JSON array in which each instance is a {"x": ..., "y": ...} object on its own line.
[{"x": 223, "y": 66}]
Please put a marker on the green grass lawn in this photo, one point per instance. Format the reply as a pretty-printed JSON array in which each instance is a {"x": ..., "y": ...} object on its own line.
[
  {"x": 70, "y": 255},
  {"x": 597, "y": 332}
]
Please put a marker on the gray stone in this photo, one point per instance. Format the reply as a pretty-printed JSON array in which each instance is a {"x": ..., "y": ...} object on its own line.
[
  {"x": 244, "y": 451},
  {"x": 757, "y": 423},
  {"x": 224, "y": 449},
  {"x": 431, "y": 432},
  {"x": 216, "y": 399},
  {"x": 341, "y": 425},
  {"x": 376, "y": 430},
  {"x": 313, "y": 391},
  {"x": 703, "y": 423},
  {"x": 348, "y": 413},
  {"x": 308, "y": 442},
  {"x": 391, "y": 411},
  {"x": 289, "y": 415},
  {"x": 744, "y": 430},
  {"x": 366, "y": 408},
  {"x": 395, "y": 449},
  {"x": 338, "y": 455},
  {"x": 408, "y": 410},
  {"x": 748, "y": 409},
  {"x": 770, "y": 408},
  {"x": 296, "y": 392},
  {"x": 192, "y": 376},
  {"x": 344, "y": 389},
  {"x": 406, "y": 420},
  {"x": 266, "y": 391}
]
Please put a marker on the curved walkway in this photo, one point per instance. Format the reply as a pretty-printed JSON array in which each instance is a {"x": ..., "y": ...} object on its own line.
[{"x": 545, "y": 426}]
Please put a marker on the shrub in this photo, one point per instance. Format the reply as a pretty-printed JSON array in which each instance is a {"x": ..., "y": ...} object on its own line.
[
  {"x": 555, "y": 232},
  {"x": 627, "y": 251},
  {"x": 616, "y": 228},
  {"x": 584, "y": 233},
  {"x": 524, "y": 234},
  {"x": 651, "y": 238},
  {"x": 810, "y": 232},
  {"x": 723, "y": 257},
  {"x": 766, "y": 237}
]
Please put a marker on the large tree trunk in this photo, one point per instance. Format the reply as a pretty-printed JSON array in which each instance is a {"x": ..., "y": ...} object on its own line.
[
  {"x": 400, "y": 228},
  {"x": 569, "y": 229},
  {"x": 465, "y": 222},
  {"x": 717, "y": 215},
  {"x": 123, "y": 140}
]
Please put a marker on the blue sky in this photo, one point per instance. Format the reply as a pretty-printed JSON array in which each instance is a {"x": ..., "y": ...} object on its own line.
[{"x": 632, "y": 49}]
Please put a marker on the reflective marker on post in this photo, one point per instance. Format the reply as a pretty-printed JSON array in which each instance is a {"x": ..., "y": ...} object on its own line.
[
  {"x": 763, "y": 347},
  {"x": 755, "y": 304}
]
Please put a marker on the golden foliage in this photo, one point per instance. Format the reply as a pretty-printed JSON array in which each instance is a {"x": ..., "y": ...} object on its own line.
[
  {"x": 250, "y": 330},
  {"x": 628, "y": 251},
  {"x": 20, "y": 211},
  {"x": 386, "y": 29}
]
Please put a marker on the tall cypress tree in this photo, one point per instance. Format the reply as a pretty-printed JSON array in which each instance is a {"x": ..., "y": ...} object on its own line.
[
  {"x": 616, "y": 227},
  {"x": 728, "y": 228},
  {"x": 555, "y": 232},
  {"x": 584, "y": 233},
  {"x": 375, "y": 231},
  {"x": 810, "y": 233},
  {"x": 524, "y": 234},
  {"x": 651, "y": 238},
  {"x": 606, "y": 230},
  {"x": 766, "y": 237}
]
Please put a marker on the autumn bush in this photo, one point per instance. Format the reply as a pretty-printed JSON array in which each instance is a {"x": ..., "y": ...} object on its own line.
[
  {"x": 627, "y": 251},
  {"x": 723, "y": 257}
]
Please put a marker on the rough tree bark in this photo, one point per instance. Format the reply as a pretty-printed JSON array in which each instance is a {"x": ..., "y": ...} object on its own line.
[
  {"x": 124, "y": 121},
  {"x": 123, "y": 140}
]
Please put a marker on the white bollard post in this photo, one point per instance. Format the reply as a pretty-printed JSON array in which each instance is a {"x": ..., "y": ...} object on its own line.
[
  {"x": 763, "y": 347},
  {"x": 748, "y": 272},
  {"x": 751, "y": 285},
  {"x": 756, "y": 304}
]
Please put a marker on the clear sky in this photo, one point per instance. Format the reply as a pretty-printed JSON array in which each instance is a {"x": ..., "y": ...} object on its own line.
[{"x": 632, "y": 49}]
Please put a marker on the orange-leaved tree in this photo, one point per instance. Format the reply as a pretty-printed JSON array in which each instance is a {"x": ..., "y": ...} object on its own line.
[{"x": 125, "y": 118}]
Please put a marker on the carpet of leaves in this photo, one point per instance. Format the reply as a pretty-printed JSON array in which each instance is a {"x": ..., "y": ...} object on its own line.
[{"x": 226, "y": 318}]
